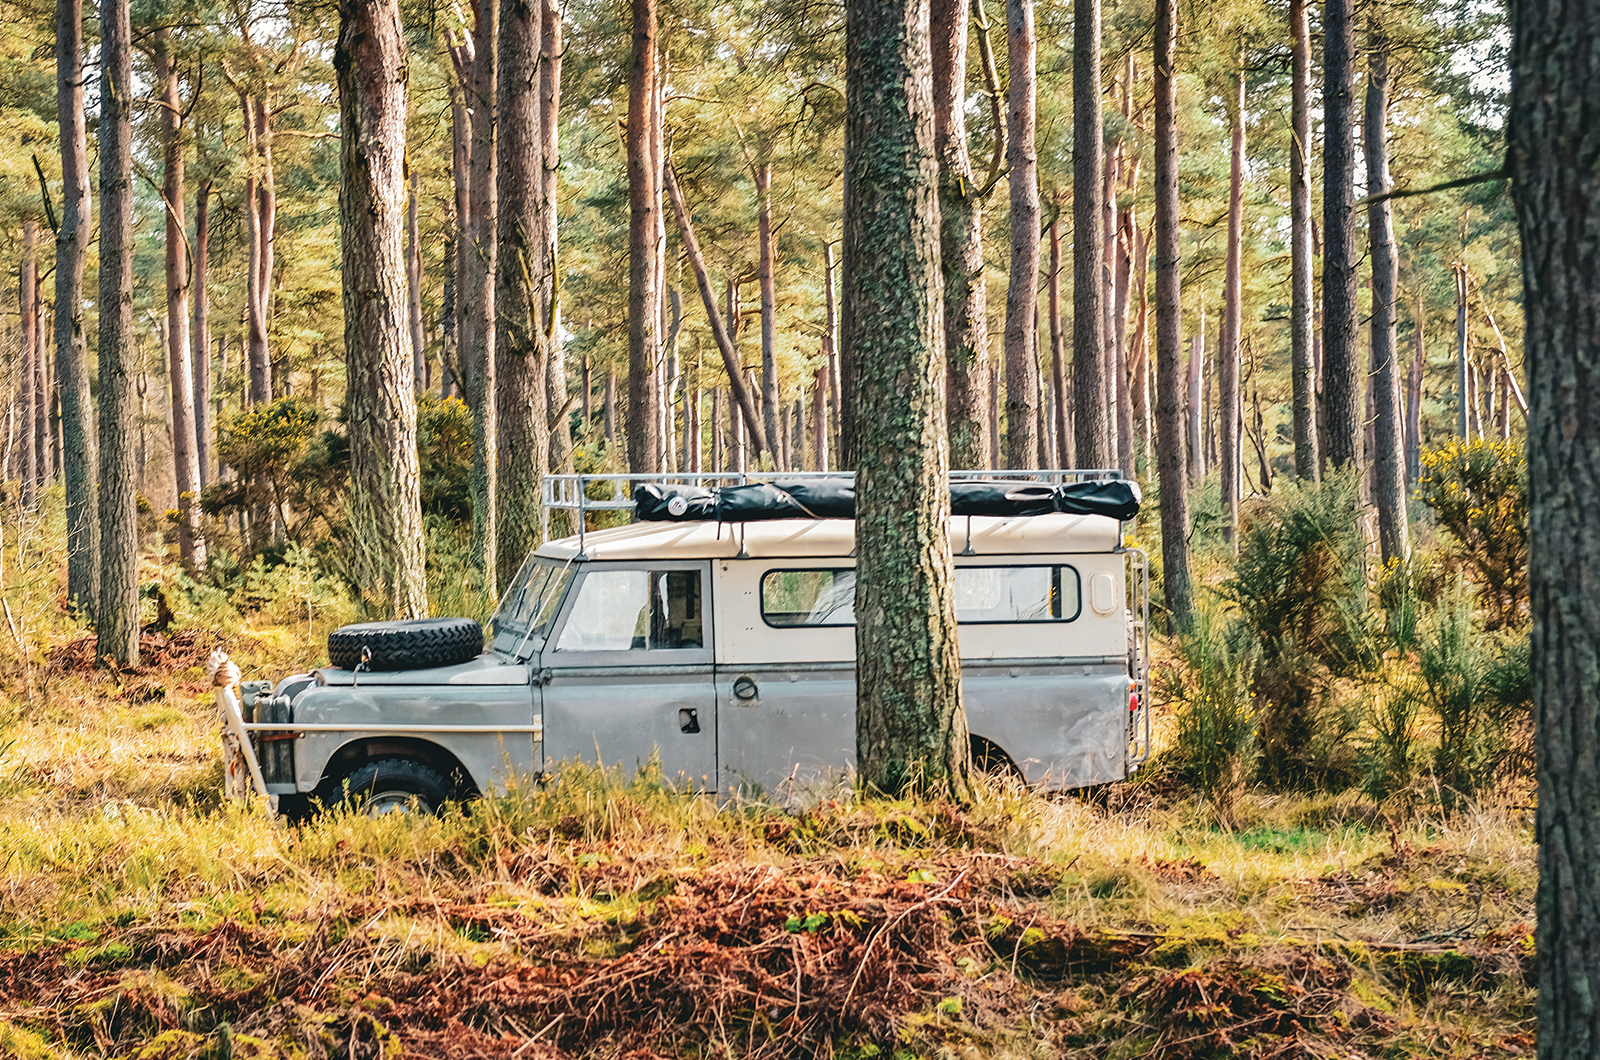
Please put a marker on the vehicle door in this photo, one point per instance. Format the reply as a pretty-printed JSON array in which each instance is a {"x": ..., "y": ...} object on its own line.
[
  {"x": 628, "y": 672},
  {"x": 786, "y": 721}
]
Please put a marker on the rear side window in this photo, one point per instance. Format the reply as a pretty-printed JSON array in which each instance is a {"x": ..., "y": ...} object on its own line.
[
  {"x": 983, "y": 595},
  {"x": 635, "y": 610}
]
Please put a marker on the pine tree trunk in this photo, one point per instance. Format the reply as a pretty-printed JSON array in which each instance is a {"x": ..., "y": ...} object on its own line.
[
  {"x": 200, "y": 333},
  {"x": 1307, "y": 451},
  {"x": 27, "y": 311},
  {"x": 830, "y": 346},
  {"x": 478, "y": 359},
  {"x": 457, "y": 348},
  {"x": 1463, "y": 382},
  {"x": 117, "y": 618},
  {"x": 521, "y": 287},
  {"x": 819, "y": 417},
  {"x": 611, "y": 406},
  {"x": 1091, "y": 414},
  {"x": 644, "y": 275},
  {"x": 769, "y": 309},
  {"x": 419, "y": 348},
  {"x": 1022, "y": 292},
  {"x": 911, "y": 731},
  {"x": 180, "y": 371},
  {"x": 1232, "y": 297},
  {"x": 78, "y": 431},
  {"x": 1169, "y": 370},
  {"x": 1555, "y": 79},
  {"x": 966, "y": 315},
  {"x": 1343, "y": 385},
  {"x": 1388, "y": 467},
  {"x": 1414, "y": 395},
  {"x": 557, "y": 403},
  {"x": 1196, "y": 407},
  {"x": 1065, "y": 444},
  {"x": 380, "y": 403}
]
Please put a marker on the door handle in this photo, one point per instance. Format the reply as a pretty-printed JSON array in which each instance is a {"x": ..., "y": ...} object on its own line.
[{"x": 688, "y": 720}]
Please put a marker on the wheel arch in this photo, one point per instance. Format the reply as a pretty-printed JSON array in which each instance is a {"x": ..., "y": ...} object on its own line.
[{"x": 357, "y": 752}]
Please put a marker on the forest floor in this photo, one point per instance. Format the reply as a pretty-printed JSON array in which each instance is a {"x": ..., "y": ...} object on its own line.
[{"x": 143, "y": 917}]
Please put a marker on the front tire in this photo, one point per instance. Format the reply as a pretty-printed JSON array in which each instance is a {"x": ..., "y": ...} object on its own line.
[{"x": 396, "y": 785}]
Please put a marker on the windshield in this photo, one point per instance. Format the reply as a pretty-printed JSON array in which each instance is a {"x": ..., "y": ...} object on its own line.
[{"x": 529, "y": 604}]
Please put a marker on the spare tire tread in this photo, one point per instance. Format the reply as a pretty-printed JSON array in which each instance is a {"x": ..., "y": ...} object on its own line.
[{"x": 406, "y": 645}]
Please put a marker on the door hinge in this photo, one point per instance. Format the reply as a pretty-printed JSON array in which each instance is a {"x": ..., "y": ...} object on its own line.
[{"x": 542, "y": 677}]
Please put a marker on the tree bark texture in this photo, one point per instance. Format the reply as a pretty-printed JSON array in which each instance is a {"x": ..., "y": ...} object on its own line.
[
  {"x": 27, "y": 310},
  {"x": 1232, "y": 310},
  {"x": 200, "y": 333},
  {"x": 1022, "y": 292},
  {"x": 762, "y": 173},
  {"x": 117, "y": 617},
  {"x": 1066, "y": 445},
  {"x": 1554, "y": 137},
  {"x": 477, "y": 297},
  {"x": 1419, "y": 362},
  {"x": 419, "y": 348},
  {"x": 1343, "y": 384},
  {"x": 644, "y": 255},
  {"x": 1307, "y": 456},
  {"x": 521, "y": 288},
  {"x": 911, "y": 731},
  {"x": 380, "y": 402},
  {"x": 557, "y": 404},
  {"x": 78, "y": 458},
  {"x": 966, "y": 316},
  {"x": 1171, "y": 465},
  {"x": 1091, "y": 414},
  {"x": 261, "y": 208},
  {"x": 1388, "y": 467},
  {"x": 180, "y": 370}
]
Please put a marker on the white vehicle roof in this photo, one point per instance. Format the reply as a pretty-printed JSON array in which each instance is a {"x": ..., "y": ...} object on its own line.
[{"x": 989, "y": 536}]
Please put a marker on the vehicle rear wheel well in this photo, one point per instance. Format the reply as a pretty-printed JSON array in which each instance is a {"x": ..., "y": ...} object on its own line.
[
  {"x": 990, "y": 758},
  {"x": 358, "y": 753}
]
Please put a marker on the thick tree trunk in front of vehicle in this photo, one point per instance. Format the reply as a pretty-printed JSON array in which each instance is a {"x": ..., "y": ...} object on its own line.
[{"x": 910, "y": 727}]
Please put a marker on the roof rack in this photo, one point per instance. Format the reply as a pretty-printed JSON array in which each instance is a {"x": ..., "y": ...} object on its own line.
[{"x": 576, "y": 492}]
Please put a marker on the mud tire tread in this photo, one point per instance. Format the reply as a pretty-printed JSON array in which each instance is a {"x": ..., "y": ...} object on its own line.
[{"x": 407, "y": 645}]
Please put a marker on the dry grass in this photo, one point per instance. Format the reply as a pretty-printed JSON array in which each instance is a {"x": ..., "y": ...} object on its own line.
[{"x": 142, "y": 917}]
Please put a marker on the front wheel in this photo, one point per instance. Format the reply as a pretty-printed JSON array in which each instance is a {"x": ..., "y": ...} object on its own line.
[{"x": 396, "y": 785}]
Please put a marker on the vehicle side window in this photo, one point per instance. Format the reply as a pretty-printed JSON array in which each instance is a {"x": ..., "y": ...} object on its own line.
[
  {"x": 982, "y": 595},
  {"x": 635, "y": 610}
]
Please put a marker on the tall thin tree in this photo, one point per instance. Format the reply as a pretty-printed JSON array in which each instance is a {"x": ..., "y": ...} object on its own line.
[
  {"x": 1022, "y": 292},
  {"x": 521, "y": 342},
  {"x": 644, "y": 252},
  {"x": 477, "y": 299},
  {"x": 1307, "y": 455},
  {"x": 966, "y": 324},
  {"x": 1090, "y": 414},
  {"x": 1343, "y": 382},
  {"x": 117, "y": 617},
  {"x": 78, "y": 461},
  {"x": 180, "y": 370},
  {"x": 1170, "y": 461},
  {"x": 1388, "y": 463},
  {"x": 1232, "y": 310},
  {"x": 910, "y": 726},
  {"x": 380, "y": 399}
]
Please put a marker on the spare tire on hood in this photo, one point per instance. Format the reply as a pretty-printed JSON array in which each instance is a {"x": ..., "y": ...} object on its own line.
[{"x": 406, "y": 645}]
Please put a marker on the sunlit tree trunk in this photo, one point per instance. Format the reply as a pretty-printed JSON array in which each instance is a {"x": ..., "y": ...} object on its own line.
[
  {"x": 522, "y": 337},
  {"x": 966, "y": 323},
  {"x": 380, "y": 403},
  {"x": 769, "y": 309},
  {"x": 1091, "y": 412},
  {"x": 1414, "y": 394},
  {"x": 27, "y": 350},
  {"x": 1169, "y": 369},
  {"x": 1232, "y": 308},
  {"x": 1065, "y": 443},
  {"x": 644, "y": 273},
  {"x": 478, "y": 358},
  {"x": 1388, "y": 470},
  {"x": 180, "y": 370},
  {"x": 117, "y": 617},
  {"x": 911, "y": 731},
  {"x": 1022, "y": 293},
  {"x": 1307, "y": 452},
  {"x": 419, "y": 349},
  {"x": 200, "y": 332},
  {"x": 1343, "y": 385},
  {"x": 556, "y": 400},
  {"x": 78, "y": 458}
]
